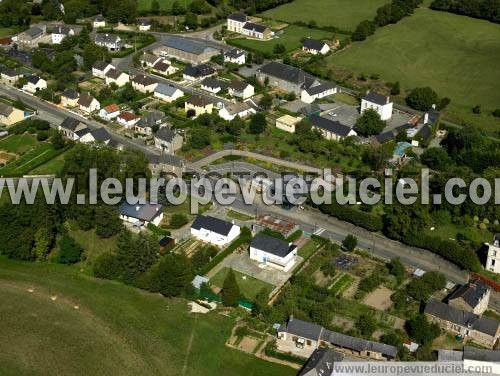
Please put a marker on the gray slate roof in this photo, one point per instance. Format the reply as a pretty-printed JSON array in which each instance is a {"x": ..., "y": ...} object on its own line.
[
  {"x": 213, "y": 83},
  {"x": 5, "y": 109},
  {"x": 113, "y": 73},
  {"x": 70, "y": 123},
  {"x": 302, "y": 328},
  {"x": 9, "y": 72},
  {"x": 330, "y": 125},
  {"x": 238, "y": 16},
  {"x": 313, "y": 44},
  {"x": 165, "y": 134},
  {"x": 106, "y": 38},
  {"x": 166, "y": 89},
  {"x": 70, "y": 94},
  {"x": 460, "y": 317},
  {"x": 288, "y": 73},
  {"x": 320, "y": 363},
  {"x": 317, "y": 89},
  {"x": 254, "y": 27},
  {"x": 482, "y": 355},
  {"x": 34, "y": 31},
  {"x": 187, "y": 45},
  {"x": 33, "y": 79},
  {"x": 167, "y": 159},
  {"x": 472, "y": 293},
  {"x": 148, "y": 58},
  {"x": 100, "y": 65},
  {"x": 376, "y": 98},
  {"x": 358, "y": 344},
  {"x": 200, "y": 70},
  {"x": 101, "y": 134},
  {"x": 212, "y": 224},
  {"x": 145, "y": 212},
  {"x": 152, "y": 118},
  {"x": 272, "y": 245},
  {"x": 234, "y": 53}
]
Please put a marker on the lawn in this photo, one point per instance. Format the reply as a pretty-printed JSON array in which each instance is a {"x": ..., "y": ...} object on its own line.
[
  {"x": 291, "y": 39},
  {"x": 343, "y": 14},
  {"x": 457, "y": 56},
  {"x": 239, "y": 216},
  {"x": 41, "y": 154},
  {"x": 145, "y": 5},
  {"x": 19, "y": 143},
  {"x": 99, "y": 327},
  {"x": 249, "y": 286},
  {"x": 52, "y": 167},
  {"x": 7, "y": 31},
  {"x": 308, "y": 249},
  {"x": 92, "y": 244}
]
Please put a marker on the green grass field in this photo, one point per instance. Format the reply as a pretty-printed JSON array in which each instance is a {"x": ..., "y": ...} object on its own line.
[
  {"x": 145, "y": 5},
  {"x": 291, "y": 39},
  {"x": 249, "y": 286},
  {"x": 52, "y": 167},
  {"x": 307, "y": 249},
  {"x": 41, "y": 154},
  {"x": 115, "y": 329},
  {"x": 343, "y": 14},
  {"x": 457, "y": 56},
  {"x": 18, "y": 143}
]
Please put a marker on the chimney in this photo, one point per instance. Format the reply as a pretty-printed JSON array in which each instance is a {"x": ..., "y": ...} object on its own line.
[
  {"x": 137, "y": 208},
  {"x": 426, "y": 118},
  {"x": 433, "y": 106},
  {"x": 388, "y": 99}
]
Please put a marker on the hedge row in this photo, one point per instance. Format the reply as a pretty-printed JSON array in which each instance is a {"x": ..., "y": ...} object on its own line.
[{"x": 369, "y": 221}]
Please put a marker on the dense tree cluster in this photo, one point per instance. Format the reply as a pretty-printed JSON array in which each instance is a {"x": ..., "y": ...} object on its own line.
[
  {"x": 369, "y": 123},
  {"x": 484, "y": 9}
]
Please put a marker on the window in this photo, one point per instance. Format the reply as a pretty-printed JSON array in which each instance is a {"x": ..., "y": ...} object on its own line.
[{"x": 492, "y": 262}]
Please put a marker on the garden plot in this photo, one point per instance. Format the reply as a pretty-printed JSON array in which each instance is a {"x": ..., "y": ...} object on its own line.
[
  {"x": 340, "y": 284},
  {"x": 379, "y": 299}
]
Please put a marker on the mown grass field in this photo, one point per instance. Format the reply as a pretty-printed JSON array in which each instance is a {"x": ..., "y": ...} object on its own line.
[
  {"x": 115, "y": 329},
  {"x": 291, "y": 39},
  {"x": 52, "y": 167},
  {"x": 455, "y": 55},
  {"x": 249, "y": 286},
  {"x": 145, "y": 5},
  {"x": 19, "y": 143},
  {"x": 343, "y": 14}
]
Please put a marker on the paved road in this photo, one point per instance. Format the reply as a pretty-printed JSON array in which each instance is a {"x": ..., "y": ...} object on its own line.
[{"x": 55, "y": 115}]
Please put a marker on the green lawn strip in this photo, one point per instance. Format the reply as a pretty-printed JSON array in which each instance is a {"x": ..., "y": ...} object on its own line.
[
  {"x": 18, "y": 143},
  {"x": 342, "y": 284},
  {"x": 145, "y": 5},
  {"x": 308, "y": 249},
  {"x": 140, "y": 332},
  {"x": 32, "y": 159},
  {"x": 239, "y": 216},
  {"x": 249, "y": 286},
  {"x": 343, "y": 14},
  {"x": 92, "y": 244},
  {"x": 52, "y": 167}
]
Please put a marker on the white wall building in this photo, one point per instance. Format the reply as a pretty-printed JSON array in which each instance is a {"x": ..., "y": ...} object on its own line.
[
  {"x": 214, "y": 231},
  {"x": 493, "y": 258},
  {"x": 378, "y": 102},
  {"x": 236, "y": 21},
  {"x": 141, "y": 214},
  {"x": 35, "y": 84},
  {"x": 273, "y": 252}
]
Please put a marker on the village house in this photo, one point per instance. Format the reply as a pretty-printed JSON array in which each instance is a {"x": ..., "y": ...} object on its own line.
[
  {"x": 379, "y": 103},
  {"x": 273, "y": 252},
  {"x": 287, "y": 123},
  {"x": 70, "y": 127},
  {"x": 186, "y": 49},
  {"x": 214, "y": 230},
  {"x": 240, "y": 89},
  {"x": 100, "y": 68},
  {"x": 213, "y": 85},
  {"x": 30, "y": 38},
  {"x": 310, "y": 94},
  {"x": 144, "y": 25},
  {"x": 321, "y": 362},
  {"x": 236, "y": 21},
  {"x": 315, "y": 47},
  {"x": 61, "y": 32},
  {"x": 127, "y": 119},
  {"x": 241, "y": 109},
  {"x": 197, "y": 72},
  {"x": 34, "y": 84},
  {"x": 10, "y": 76},
  {"x": 144, "y": 84},
  {"x": 235, "y": 56},
  {"x": 167, "y": 140},
  {"x": 97, "y": 135},
  {"x": 256, "y": 31},
  {"x": 117, "y": 77},
  {"x": 109, "y": 112},
  {"x": 163, "y": 67},
  {"x": 493, "y": 255},
  {"x": 473, "y": 358},
  {"x": 303, "y": 338},
  {"x": 111, "y": 41},
  {"x": 152, "y": 119},
  {"x": 331, "y": 129},
  {"x": 198, "y": 104},
  {"x": 99, "y": 21},
  {"x": 473, "y": 296},
  {"x": 141, "y": 214},
  {"x": 166, "y": 164},
  {"x": 69, "y": 98},
  {"x": 167, "y": 92},
  {"x": 88, "y": 104},
  {"x": 10, "y": 115},
  {"x": 482, "y": 330},
  {"x": 148, "y": 60}
]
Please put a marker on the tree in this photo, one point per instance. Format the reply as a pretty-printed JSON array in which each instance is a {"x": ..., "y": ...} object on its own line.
[
  {"x": 235, "y": 126},
  {"x": 177, "y": 8},
  {"x": 266, "y": 101},
  {"x": 199, "y": 137},
  {"x": 436, "y": 159},
  {"x": 258, "y": 123},
  {"x": 191, "y": 20},
  {"x": 395, "y": 88},
  {"x": 349, "y": 243},
  {"x": 476, "y": 109},
  {"x": 369, "y": 123},
  {"x": 107, "y": 266},
  {"x": 366, "y": 324},
  {"x": 397, "y": 269},
  {"x": 230, "y": 290},
  {"x": 155, "y": 7},
  {"x": 69, "y": 251},
  {"x": 107, "y": 221},
  {"x": 58, "y": 141},
  {"x": 422, "y": 98},
  {"x": 178, "y": 220},
  {"x": 172, "y": 276},
  {"x": 422, "y": 288},
  {"x": 496, "y": 113},
  {"x": 363, "y": 30},
  {"x": 279, "y": 48},
  {"x": 421, "y": 331}
]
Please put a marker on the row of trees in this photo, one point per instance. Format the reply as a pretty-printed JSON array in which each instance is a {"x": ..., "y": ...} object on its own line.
[{"x": 484, "y": 9}]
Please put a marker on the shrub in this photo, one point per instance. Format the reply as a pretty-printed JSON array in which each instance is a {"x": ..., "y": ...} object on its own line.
[
  {"x": 69, "y": 251},
  {"x": 422, "y": 98},
  {"x": 178, "y": 220}
]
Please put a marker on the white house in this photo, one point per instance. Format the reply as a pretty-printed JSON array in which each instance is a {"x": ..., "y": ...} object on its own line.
[
  {"x": 100, "y": 69},
  {"x": 273, "y": 252},
  {"x": 88, "y": 104},
  {"x": 168, "y": 140},
  {"x": 287, "y": 123},
  {"x": 111, "y": 41},
  {"x": 314, "y": 92},
  {"x": 141, "y": 214},
  {"x": 167, "y": 93},
  {"x": 493, "y": 257},
  {"x": 197, "y": 72},
  {"x": 99, "y": 21},
  {"x": 331, "y": 130},
  {"x": 240, "y": 89},
  {"x": 110, "y": 112},
  {"x": 149, "y": 60},
  {"x": 69, "y": 98},
  {"x": 144, "y": 84},
  {"x": 378, "y": 102},
  {"x": 235, "y": 56},
  {"x": 214, "y": 231},
  {"x": 315, "y": 47},
  {"x": 127, "y": 119},
  {"x": 10, "y": 76},
  {"x": 70, "y": 128},
  {"x": 164, "y": 67},
  {"x": 231, "y": 110},
  {"x": 114, "y": 76},
  {"x": 89, "y": 136},
  {"x": 61, "y": 32},
  {"x": 257, "y": 31},
  {"x": 144, "y": 25},
  {"x": 236, "y": 21},
  {"x": 213, "y": 85},
  {"x": 34, "y": 84}
]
